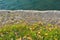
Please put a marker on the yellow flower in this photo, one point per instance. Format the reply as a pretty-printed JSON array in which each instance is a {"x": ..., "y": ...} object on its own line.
[
  {"x": 40, "y": 36},
  {"x": 46, "y": 34},
  {"x": 49, "y": 25},
  {"x": 46, "y": 27},
  {"x": 56, "y": 39},
  {"x": 55, "y": 27},
  {"x": 24, "y": 36},
  {"x": 30, "y": 28},
  {"x": 19, "y": 38},
  {"x": 29, "y": 38},
  {"x": 50, "y": 29},
  {"x": 38, "y": 32}
]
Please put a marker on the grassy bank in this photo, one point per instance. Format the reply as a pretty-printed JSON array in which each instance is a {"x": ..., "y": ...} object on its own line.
[{"x": 24, "y": 31}]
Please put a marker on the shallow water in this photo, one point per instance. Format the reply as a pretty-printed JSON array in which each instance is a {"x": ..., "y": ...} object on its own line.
[{"x": 30, "y": 4}]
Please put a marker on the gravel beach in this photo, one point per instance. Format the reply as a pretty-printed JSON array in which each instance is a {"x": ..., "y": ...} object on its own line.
[{"x": 31, "y": 16}]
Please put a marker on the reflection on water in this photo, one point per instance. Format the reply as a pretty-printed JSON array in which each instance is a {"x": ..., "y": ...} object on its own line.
[{"x": 29, "y": 4}]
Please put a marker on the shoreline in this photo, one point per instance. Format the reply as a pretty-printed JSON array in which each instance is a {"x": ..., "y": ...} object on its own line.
[{"x": 30, "y": 16}]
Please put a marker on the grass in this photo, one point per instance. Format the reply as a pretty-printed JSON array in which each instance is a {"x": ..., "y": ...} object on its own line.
[{"x": 24, "y": 31}]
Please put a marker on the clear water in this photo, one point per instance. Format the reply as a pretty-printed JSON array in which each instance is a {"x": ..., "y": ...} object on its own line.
[{"x": 30, "y": 4}]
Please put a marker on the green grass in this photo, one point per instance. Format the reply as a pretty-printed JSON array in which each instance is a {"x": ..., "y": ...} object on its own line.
[{"x": 24, "y": 31}]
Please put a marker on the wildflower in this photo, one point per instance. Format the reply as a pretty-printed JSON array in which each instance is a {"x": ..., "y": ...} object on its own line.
[
  {"x": 2, "y": 35},
  {"x": 50, "y": 29},
  {"x": 55, "y": 27},
  {"x": 40, "y": 29},
  {"x": 49, "y": 25},
  {"x": 29, "y": 38},
  {"x": 19, "y": 38},
  {"x": 30, "y": 28},
  {"x": 40, "y": 36},
  {"x": 46, "y": 27},
  {"x": 46, "y": 34},
  {"x": 55, "y": 39},
  {"x": 24, "y": 36},
  {"x": 38, "y": 32},
  {"x": 33, "y": 28}
]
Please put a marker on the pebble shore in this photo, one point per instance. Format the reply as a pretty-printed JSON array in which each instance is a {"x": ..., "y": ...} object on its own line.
[{"x": 31, "y": 16}]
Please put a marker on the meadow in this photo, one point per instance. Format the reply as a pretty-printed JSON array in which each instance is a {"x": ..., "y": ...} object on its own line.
[{"x": 25, "y": 31}]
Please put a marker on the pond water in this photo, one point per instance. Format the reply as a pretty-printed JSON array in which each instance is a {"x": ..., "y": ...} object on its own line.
[{"x": 30, "y": 4}]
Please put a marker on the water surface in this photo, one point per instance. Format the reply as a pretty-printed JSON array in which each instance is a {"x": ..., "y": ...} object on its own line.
[{"x": 30, "y": 4}]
